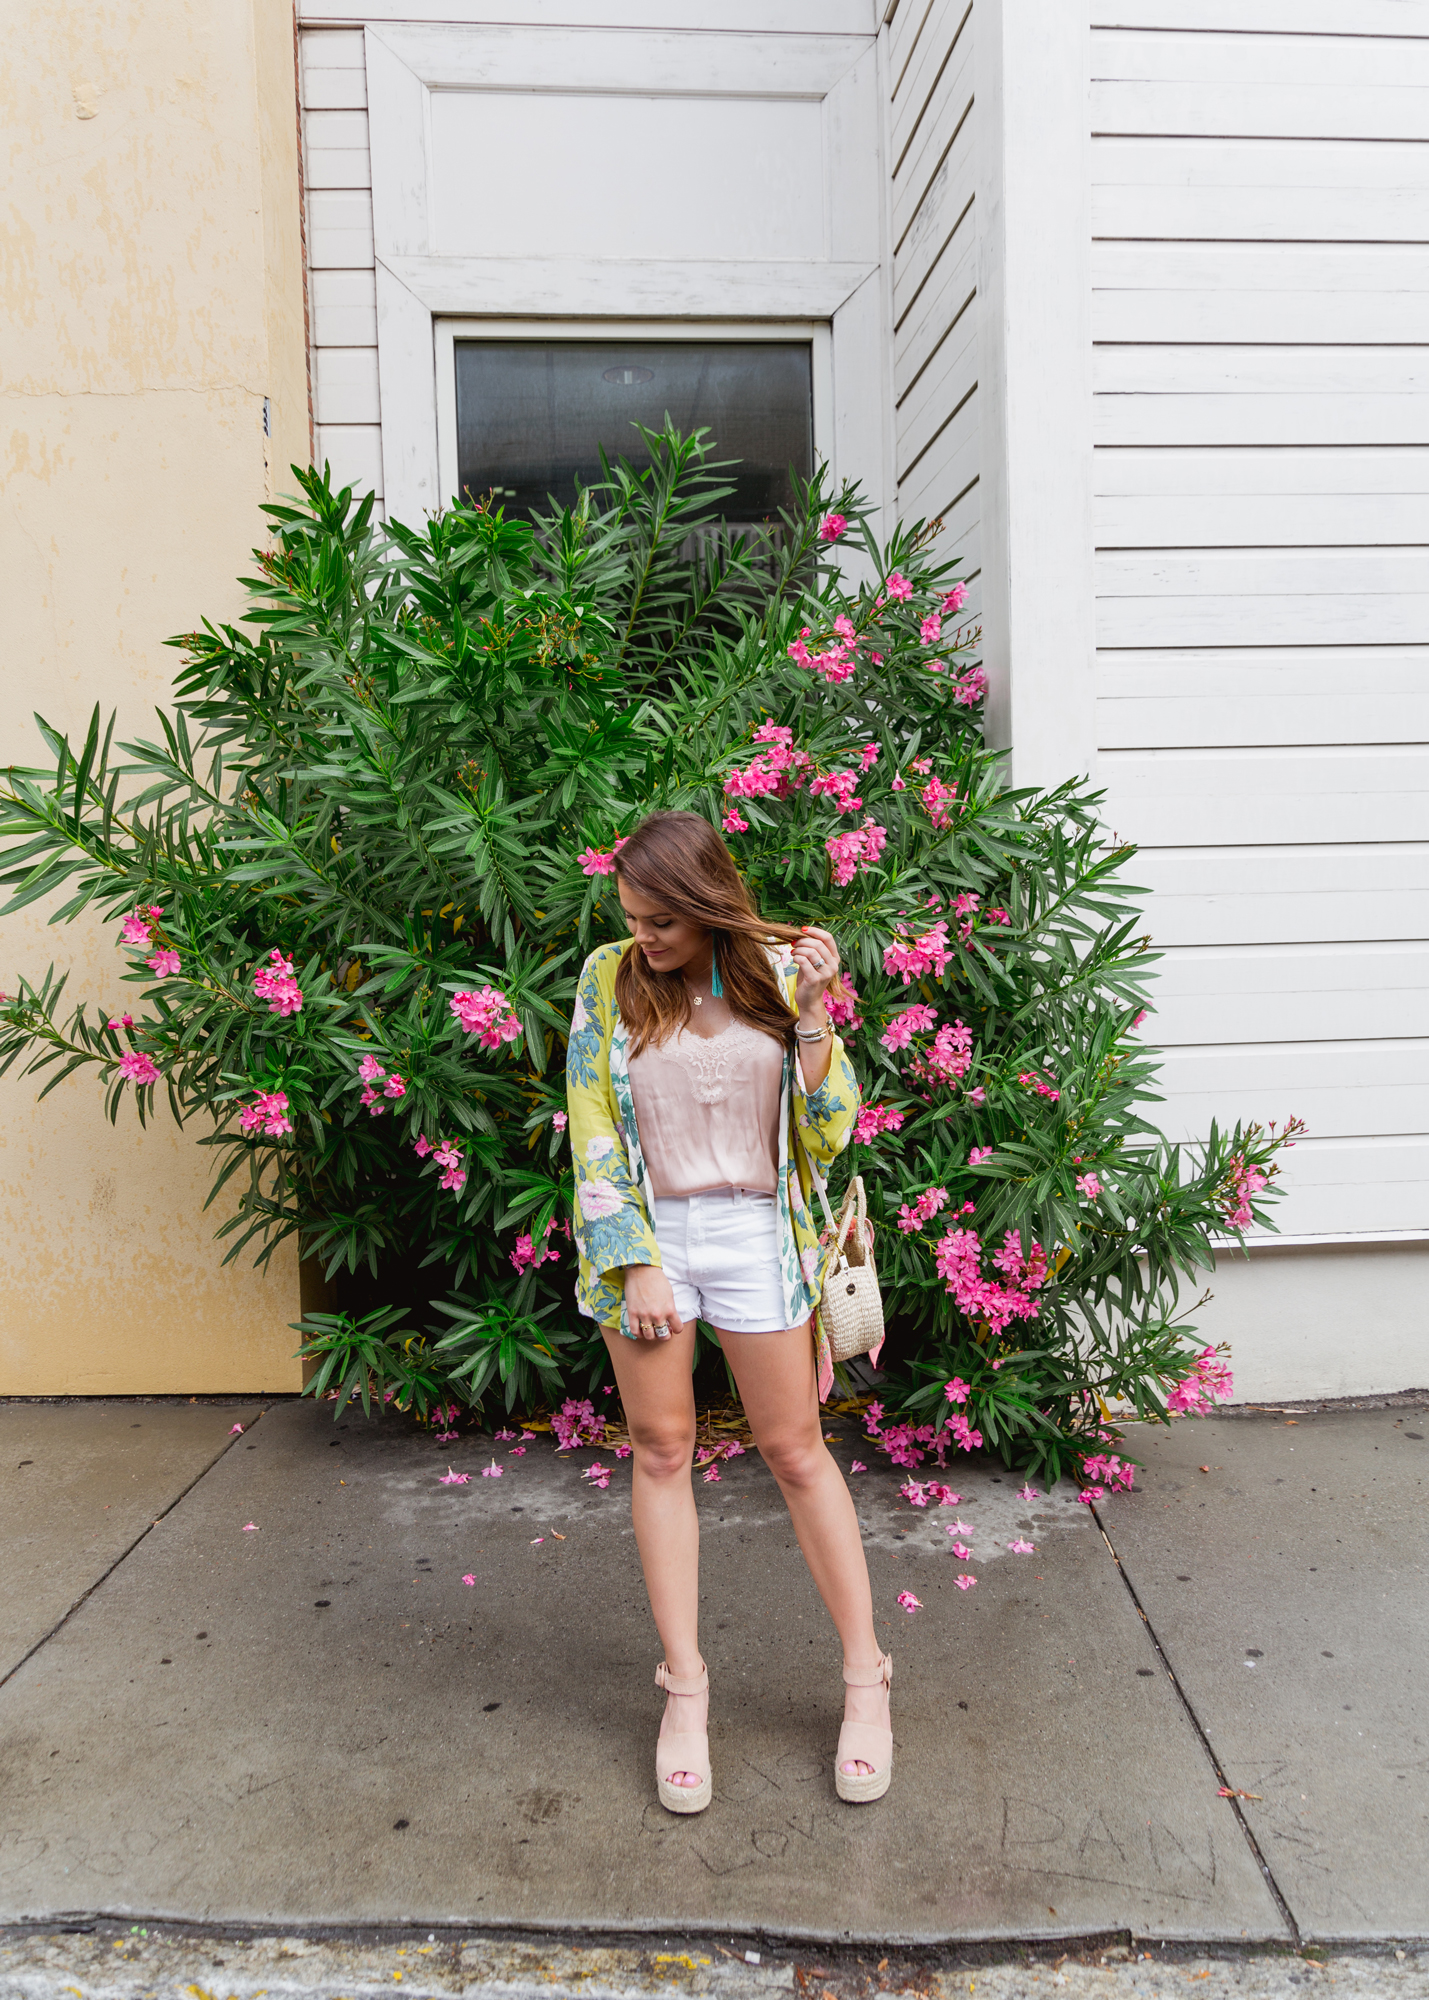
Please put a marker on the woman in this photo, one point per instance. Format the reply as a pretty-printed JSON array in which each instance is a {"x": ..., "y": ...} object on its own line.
[{"x": 704, "y": 1076}]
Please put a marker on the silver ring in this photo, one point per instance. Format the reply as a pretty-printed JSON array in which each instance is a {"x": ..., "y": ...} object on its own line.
[{"x": 662, "y": 1331}]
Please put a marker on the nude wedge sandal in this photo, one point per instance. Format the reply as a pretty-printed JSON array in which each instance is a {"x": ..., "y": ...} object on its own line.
[
  {"x": 683, "y": 1750},
  {"x": 865, "y": 1742}
]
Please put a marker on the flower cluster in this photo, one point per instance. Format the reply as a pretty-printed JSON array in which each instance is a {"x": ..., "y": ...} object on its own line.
[
  {"x": 970, "y": 688},
  {"x": 1103, "y": 1469},
  {"x": 922, "y": 1210},
  {"x": 372, "y": 1073},
  {"x": 836, "y": 661},
  {"x": 831, "y": 527},
  {"x": 277, "y": 983},
  {"x": 852, "y": 852},
  {"x": 526, "y": 1257},
  {"x": 918, "y": 1492},
  {"x": 488, "y": 1015},
  {"x": 841, "y": 787},
  {"x": 958, "y": 1256},
  {"x": 913, "y": 956},
  {"x": 844, "y": 1013},
  {"x": 136, "y": 1068},
  {"x": 1210, "y": 1381},
  {"x": 1244, "y": 1183},
  {"x": 938, "y": 801},
  {"x": 139, "y": 925},
  {"x": 576, "y": 1423},
  {"x": 1089, "y": 1185},
  {"x": 267, "y": 1114},
  {"x": 600, "y": 861},
  {"x": 1044, "y": 1087},
  {"x": 448, "y": 1157},
  {"x": 874, "y": 1119},
  {"x": 773, "y": 772},
  {"x": 946, "y": 1059}
]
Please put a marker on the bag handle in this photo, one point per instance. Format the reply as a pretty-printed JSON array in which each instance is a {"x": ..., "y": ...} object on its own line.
[{"x": 854, "y": 1206}]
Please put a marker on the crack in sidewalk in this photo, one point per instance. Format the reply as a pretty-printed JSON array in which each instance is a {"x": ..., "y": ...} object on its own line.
[
  {"x": 125, "y": 1553},
  {"x": 1286, "y": 1913}
]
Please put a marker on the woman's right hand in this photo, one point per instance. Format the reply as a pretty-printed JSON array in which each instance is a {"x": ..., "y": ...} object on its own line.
[{"x": 650, "y": 1303}]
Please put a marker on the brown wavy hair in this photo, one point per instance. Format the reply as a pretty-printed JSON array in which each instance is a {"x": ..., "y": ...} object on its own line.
[{"x": 678, "y": 860}]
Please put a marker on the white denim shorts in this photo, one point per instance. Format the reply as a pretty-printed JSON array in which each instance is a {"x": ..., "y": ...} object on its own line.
[{"x": 720, "y": 1252}]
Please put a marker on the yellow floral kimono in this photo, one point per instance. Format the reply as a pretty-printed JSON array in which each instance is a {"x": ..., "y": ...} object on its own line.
[{"x": 614, "y": 1225}]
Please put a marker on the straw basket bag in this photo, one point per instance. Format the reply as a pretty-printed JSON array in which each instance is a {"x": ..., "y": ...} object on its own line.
[{"x": 851, "y": 1309}]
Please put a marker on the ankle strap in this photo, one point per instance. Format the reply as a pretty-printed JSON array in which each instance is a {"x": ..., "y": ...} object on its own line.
[
  {"x": 673, "y": 1685},
  {"x": 871, "y": 1677}
]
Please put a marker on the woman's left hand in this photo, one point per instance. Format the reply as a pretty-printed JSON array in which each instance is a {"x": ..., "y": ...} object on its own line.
[{"x": 817, "y": 958}]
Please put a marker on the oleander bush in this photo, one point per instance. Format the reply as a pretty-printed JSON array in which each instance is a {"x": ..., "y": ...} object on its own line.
[{"x": 354, "y": 875}]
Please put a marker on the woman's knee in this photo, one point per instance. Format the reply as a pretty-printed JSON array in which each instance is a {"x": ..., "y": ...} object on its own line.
[
  {"x": 796, "y": 1458},
  {"x": 663, "y": 1450}
]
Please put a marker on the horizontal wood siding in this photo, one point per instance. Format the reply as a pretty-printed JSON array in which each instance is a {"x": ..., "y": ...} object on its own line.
[
  {"x": 931, "y": 138},
  {"x": 337, "y": 180},
  {"x": 1260, "y": 210}
]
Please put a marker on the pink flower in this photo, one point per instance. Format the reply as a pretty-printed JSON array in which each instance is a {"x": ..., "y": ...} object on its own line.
[
  {"x": 858, "y": 1466},
  {"x": 450, "y": 1478},
  {"x": 421, "y": 1146},
  {"x": 947, "y": 1058},
  {"x": 1242, "y": 1185},
  {"x": 874, "y": 1119},
  {"x": 576, "y": 1423},
  {"x": 124, "y": 1021},
  {"x": 1030, "y": 1080},
  {"x": 560, "y": 1121},
  {"x": 899, "y": 785},
  {"x": 448, "y": 1158},
  {"x": 868, "y": 756},
  {"x": 598, "y": 861},
  {"x": 965, "y": 1582},
  {"x": 840, "y": 786},
  {"x": 370, "y": 1070},
  {"x": 915, "y": 1494},
  {"x": 250, "y": 1527},
  {"x": 831, "y": 527},
  {"x": 394, "y": 1086},
  {"x": 957, "y": 1391},
  {"x": 276, "y": 983},
  {"x": 1210, "y": 1381},
  {"x": 909, "y": 1602},
  {"x": 468, "y": 1579},
  {"x": 237, "y": 1431},
  {"x": 962, "y": 1552},
  {"x": 977, "y": 1095},
  {"x": 844, "y": 1013},
  {"x": 623, "y": 1450},
  {"x": 852, "y": 853},
  {"x": 492, "y": 1471},
  {"x": 487, "y": 1014},
  {"x": 1089, "y": 1185},
  {"x": 163, "y": 963},
  {"x": 711, "y": 1475},
  {"x": 969, "y": 691},
  {"x": 138, "y": 929},
  {"x": 734, "y": 822},
  {"x": 598, "y": 1199},
  {"x": 931, "y": 629},
  {"x": 1021, "y": 1548},
  {"x": 1138, "y": 1021},
  {"x": 945, "y": 1496},
  {"x": 978, "y": 1155},
  {"x": 912, "y": 1218},
  {"x": 268, "y": 1114},
  {"x": 1028, "y": 1492},
  {"x": 939, "y": 800},
  {"x": 912, "y": 957},
  {"x": 899, "y": 587},
  {"x": 956, "y": 598},
  {"x": 140, "y": 1069},
  {"x": 598, "y": 1475},
  {"x": 915, "y": 1020}
]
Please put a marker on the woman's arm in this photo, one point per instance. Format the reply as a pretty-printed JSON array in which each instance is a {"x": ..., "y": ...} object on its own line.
[{"x": 613, "y": 1227}]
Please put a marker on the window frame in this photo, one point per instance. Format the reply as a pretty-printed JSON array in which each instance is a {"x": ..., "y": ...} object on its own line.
[{"x": 448, "y": 330}]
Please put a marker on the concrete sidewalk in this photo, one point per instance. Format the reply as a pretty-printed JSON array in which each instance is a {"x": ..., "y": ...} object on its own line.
[{"x": 283, "y": 1705}]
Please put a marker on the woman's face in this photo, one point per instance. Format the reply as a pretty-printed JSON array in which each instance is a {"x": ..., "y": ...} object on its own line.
[{"x": 668, "y": 942}]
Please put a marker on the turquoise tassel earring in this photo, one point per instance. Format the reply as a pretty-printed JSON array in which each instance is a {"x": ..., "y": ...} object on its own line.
[{"x": 716, "y": 988}]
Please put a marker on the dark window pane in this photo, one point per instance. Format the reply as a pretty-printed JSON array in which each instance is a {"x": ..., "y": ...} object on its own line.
[{"x": 532, "y": 414}]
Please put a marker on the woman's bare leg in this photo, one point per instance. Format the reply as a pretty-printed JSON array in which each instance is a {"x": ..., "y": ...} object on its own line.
[
  {"x": 659, "y": 1403},
  {"x": 778, "y": 1386}
]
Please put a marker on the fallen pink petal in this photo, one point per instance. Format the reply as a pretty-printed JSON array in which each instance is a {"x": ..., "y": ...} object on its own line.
[
  {"x": 965, "y": 1582},
  {"x": 1021, "y": 1548},
  {"x": 858, "y": 1466},
  {"x": 909, "y": 1602},
  {"x": 450, "y": 1478},
  {"x": 1028, "y": 1493},
  {"x": 237, "y": 1431},
  {"x": 250, "y": 1527},
  {"x": 962, "y": 1552},
  {"x": 711, "y": 1475},
  {"x": 536, "y": 1541},
  {"x": 492, "y": 1471},
  {"x": 468, "y": 1579}
]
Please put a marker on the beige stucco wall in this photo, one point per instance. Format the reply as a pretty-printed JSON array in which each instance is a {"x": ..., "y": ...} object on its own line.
[{"x": 151, "y": 259}]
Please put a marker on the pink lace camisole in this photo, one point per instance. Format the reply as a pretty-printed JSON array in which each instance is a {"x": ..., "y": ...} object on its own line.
[{"x": 708, "y": 1110}]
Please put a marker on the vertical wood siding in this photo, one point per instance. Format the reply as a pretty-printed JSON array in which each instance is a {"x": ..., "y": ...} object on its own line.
[
  {"x": 1260, "y": 204},
  {"x": 931, "y": 126},
  {"x": 337, "y": 180}
]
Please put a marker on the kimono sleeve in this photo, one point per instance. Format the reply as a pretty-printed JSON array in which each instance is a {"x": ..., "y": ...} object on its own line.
[
  {"x": 825, "y": 1117},
  {"x": 612, "y": 1222}
]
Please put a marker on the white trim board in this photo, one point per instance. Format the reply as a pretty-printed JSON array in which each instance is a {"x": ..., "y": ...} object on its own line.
[{"x": 834, "y": 282}]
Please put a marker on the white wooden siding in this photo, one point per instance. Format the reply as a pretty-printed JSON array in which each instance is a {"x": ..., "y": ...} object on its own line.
[
  {"x": 1260, "y": 203},
  {"x": 928, "y": 63},
  {"x": 337, "y": 181}
]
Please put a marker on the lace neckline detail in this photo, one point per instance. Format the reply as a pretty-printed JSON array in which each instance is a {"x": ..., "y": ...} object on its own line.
[{"x": 710, "y": 1061}]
